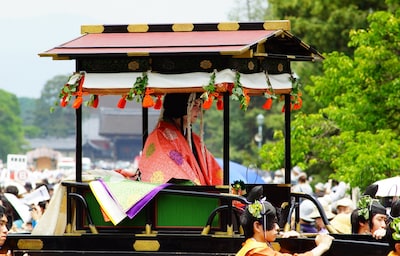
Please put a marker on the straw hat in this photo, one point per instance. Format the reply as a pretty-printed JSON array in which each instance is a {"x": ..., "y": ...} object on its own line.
[{"x": 342, "y": 223}]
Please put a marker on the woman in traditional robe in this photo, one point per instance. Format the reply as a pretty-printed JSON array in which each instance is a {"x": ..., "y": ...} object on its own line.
[{"x": 173, "y": 151}]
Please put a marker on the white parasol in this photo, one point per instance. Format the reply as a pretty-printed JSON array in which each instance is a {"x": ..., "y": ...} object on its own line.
[
  {"x": 19, "y": 206},
  {"x": 388, "y": 187}
]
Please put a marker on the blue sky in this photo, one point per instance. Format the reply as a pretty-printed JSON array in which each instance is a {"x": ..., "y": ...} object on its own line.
[{"x": 30, "y": 27}]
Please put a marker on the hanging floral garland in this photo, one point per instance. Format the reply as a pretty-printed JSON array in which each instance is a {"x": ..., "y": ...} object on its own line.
[
  {"x": 72, "y": 88},
  {"x": 140, "y": 92},
  {"x": 296, "y": 101},
  {"x": 239, "y": 93},
  {"x": 269, "y": 94},
  {"x": 212, "y": 92},
  {"x": 295, "y": 94}
]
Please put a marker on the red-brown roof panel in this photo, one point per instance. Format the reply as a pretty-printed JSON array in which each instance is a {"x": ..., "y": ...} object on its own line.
[
  {"x": 162, "y": 42},
  {"x": 169, "y": 39}
]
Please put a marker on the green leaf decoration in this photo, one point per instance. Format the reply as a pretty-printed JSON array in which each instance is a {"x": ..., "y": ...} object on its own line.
[
  {"x": 395, "y": 226},
  {"x": 255, "y": 209}
]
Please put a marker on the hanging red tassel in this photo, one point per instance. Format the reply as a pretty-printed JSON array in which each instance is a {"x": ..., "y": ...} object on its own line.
[
  {"x": 95, "y": 102},
  {"x": 148, "y": 100},
  {"x": 77, "y": 102},
  {"x": 208, "y": 103},
  {"x": 268, "y": 104},
  {"x": 122, "y": 102},
  {"x": 220, "y": 103},
  {"x": 158, "y": 104},
  {"x": 298, "y": 104},
  {"x": 64, "y": 101}
]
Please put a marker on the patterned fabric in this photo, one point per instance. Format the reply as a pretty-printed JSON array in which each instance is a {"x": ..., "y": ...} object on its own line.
[
  {"x": 167, "y": 155},
  {"x": 253, "y": 248}
]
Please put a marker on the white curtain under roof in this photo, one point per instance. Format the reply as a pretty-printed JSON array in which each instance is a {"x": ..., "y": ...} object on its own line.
[{"x": 110, "y": 81}]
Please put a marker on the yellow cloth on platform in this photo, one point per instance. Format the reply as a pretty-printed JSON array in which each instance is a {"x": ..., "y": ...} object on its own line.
[
  {"x": 167, "y": 155},
  {"x": 123, "y": 198},
  {"x": 253, "y": 248}
]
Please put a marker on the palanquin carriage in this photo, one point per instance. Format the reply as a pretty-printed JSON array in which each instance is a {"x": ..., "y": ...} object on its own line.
[{"x": 184, "y": 220}]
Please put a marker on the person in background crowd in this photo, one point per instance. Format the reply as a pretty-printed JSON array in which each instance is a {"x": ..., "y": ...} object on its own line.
[
  {"x": 302, "y": 185},
  {"x": 12, "y": 190},
  {"x": 279, "y": 177},
  {"x": 344, "y": 205},
  {"x": 28, "y": 187},
  {"x": 369, "y": 218},
  {"x": 319, "y": 190},
  {"x": 336, "y": 192},
  {"x": 342, "y": 221},
  {"x": 172, "y": 151},
  {"x": 307, "y": 224},
  {"x": 259, "y": 221},
  {"x": 294, "y": 176},
  {"x": 319, "y": 223}
]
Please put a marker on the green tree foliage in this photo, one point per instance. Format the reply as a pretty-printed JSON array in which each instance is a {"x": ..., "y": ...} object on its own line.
[
  {"x": 325, "y": 24},
  {"x": 355, "y": 134},
  {"x": 11, "y": 133},
  {"x": 61, "y": 122},
  {"x": 27, "y": 106}
]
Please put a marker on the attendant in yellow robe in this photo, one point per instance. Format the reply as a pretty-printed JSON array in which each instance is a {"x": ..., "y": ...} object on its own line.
[
  {"x": 260, "y": 225},
  {"x": 173, "y": 151},
  {"x": 393, "y": 237}
]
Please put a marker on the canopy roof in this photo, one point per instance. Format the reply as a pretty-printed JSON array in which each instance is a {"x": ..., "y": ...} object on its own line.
[
  {"x": 235, "y": 39},
  {"x": 183, "y": 56}
]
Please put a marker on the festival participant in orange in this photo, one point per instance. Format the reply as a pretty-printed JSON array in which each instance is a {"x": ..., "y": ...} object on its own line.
[
  {"x": 393, "y": 237},
  {"x": 259, "y": 221},
  {"x": 3, "y": 229},
  {"x": 173, "y": 151}
]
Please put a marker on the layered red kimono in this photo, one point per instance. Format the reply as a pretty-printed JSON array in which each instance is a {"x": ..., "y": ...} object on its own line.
[{"x": 167, "y": 155}]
